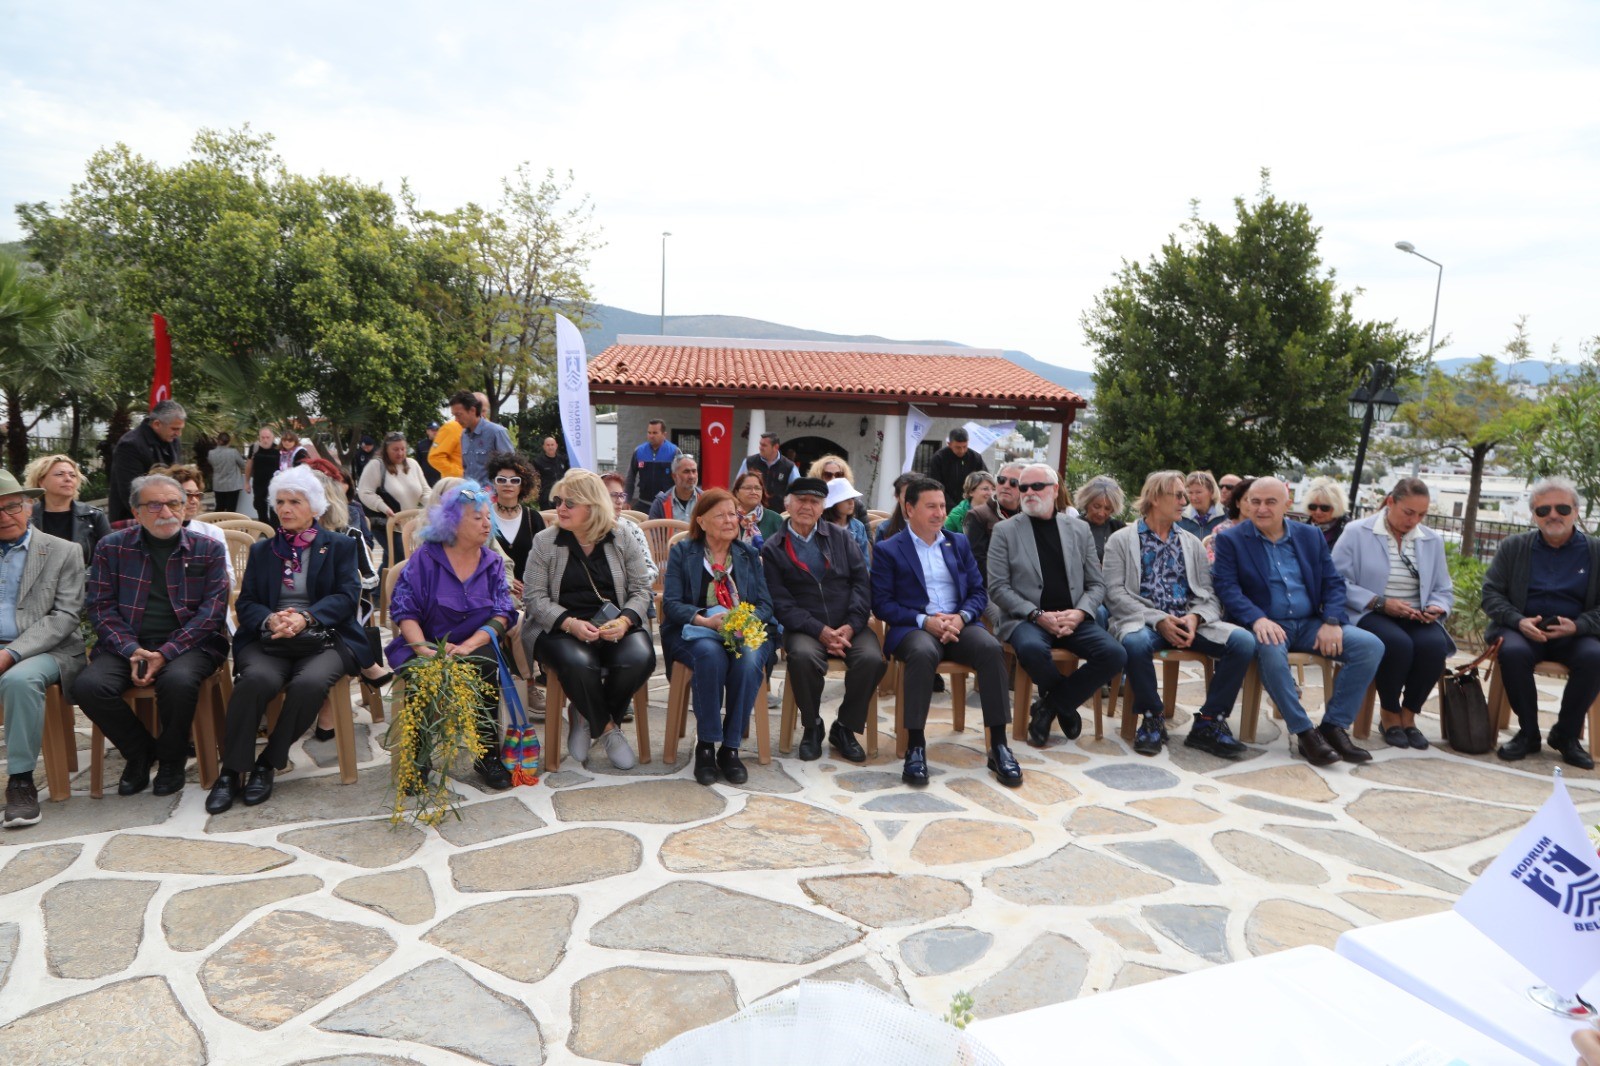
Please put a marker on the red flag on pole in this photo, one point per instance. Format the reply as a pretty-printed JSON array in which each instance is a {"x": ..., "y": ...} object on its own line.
[
  {"x": 161, "y": 383},
  {"x": 716, "y": 446}
]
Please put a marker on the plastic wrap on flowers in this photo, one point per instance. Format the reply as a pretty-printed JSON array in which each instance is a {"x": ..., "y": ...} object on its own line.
[{"x": 822, "y": 1023}]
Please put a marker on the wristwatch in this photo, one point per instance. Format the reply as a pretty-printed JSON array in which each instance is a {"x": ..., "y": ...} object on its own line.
[
  {"x": 1033, "y": 615},
  {"x": 1377, "y": 601}
]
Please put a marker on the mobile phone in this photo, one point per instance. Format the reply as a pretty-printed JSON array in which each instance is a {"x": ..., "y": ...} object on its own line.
[
  {"x": 1550, "y": 622},
  {"x": 140, "y": 668}
]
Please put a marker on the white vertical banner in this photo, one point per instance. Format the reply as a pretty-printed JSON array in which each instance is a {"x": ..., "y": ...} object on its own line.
[
  {"x": 572, "y": 384},
  {"x": 917, "y": 425}
]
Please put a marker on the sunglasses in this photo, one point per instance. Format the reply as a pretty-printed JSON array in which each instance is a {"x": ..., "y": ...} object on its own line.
[
  {"x": 1013, "y": 482},
  {"x": 1411, "y": 566},
  {"x": 195, "y": 495},
  {"x": 1319, "y": 506},
  {"x": 469, "y": 496},
  {"x": 558, "y": 502},
  {"x": 1036, "y": 486},
  {"x": 500, "y": 479},
  {"x": 1544, "y": 509},
  {"x": 829, "y": 475}
]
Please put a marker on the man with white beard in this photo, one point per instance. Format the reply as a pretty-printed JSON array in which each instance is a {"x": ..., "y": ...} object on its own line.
[{"x": 1044, "y": 579}]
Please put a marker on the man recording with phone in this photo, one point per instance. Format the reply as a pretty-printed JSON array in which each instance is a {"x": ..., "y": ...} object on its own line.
[
  {"x": 1542, "y": 596},
  {"x": 157, "y": 596}
]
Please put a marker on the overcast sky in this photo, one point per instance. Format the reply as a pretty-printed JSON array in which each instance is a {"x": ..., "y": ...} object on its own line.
[{"x": 970, "y": 172}]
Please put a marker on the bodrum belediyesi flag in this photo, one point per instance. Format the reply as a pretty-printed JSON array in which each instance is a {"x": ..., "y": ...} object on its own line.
[
  {"x": 1540, "y": 900},
  {"x": 572, "y": 390}
]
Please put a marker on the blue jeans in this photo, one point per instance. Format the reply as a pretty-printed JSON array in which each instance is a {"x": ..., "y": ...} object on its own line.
[
  {"x": 1360, "y": 658},
  {"x": 22, "y": 695},
  {"x": 1233, "y": 662},
  {"x": 722, "y": 683}
]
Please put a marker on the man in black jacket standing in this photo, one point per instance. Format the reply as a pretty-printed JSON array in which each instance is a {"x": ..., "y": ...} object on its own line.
[
  {"x": 951, "y": 465},
  {"x": 822, "y": 596},
  {"x": 552, "y": 465},
  {"x": 153, "y": 442}
]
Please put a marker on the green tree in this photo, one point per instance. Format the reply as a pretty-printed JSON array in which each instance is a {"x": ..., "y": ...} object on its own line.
[
  {"x": 28, "y": 314},
  {"x": 1231, "y": 350},
  {"x": 1560, "y": 434}
]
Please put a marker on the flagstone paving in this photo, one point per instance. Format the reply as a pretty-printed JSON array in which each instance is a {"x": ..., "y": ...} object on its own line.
[{"x": 596, "y": 915}]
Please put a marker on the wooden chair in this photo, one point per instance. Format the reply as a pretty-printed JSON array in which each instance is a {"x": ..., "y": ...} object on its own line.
[
  {"x": 836, "y": 668},
  {"x": 1022, "y": 693},
  {"x": 257, "y": 530},
  {"x": 555, "y": 700},
  {"x": 211, "y": 707},
  {"x": 214, "y": 517},
  {"x": 1252, "y": 690},
  {"x": 1363, "y": 726},
  {"x": 1500, "y": 703},
  {"x": 678, "y": 717},
  {"x": 60, "y": 743},
  {"x": 957, "y": 674},
  {"x": 239, "y": 544},
  {"x": 1171, "y": 660},
  {"x": 344, "y": 726}
]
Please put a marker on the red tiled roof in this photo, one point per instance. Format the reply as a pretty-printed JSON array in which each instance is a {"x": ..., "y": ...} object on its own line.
[{"x": 933, "y": 379}]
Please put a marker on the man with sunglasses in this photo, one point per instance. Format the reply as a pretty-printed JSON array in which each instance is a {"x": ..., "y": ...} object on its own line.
[
  {"x": 979, "y": 523},
  {"x": 1044, "y": 579},
  {"x": 1542, "y": 596}
]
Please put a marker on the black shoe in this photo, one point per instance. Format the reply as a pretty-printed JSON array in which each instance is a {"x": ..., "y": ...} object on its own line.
[
  {"x": 1071, "y": 721},
  {"x": 1004, "y": 766},
  {"x": 938, "y": 682},
  {"x": 845, "y": 743},
  {"x": 1525, "y": 743},
  {"x": 493, "y": 773},
  {"x": 169, "y": 778},
  {"x": 811, "y": 742},
  {"x": 320, "y": 733},
  {"x": 1040, "y": 718},
  {"x": 916, "y": 768},
  {"x": 257, "y": 785},
  {"x": 733, "y": 771},
  {"x": 1151, "y": 735},
  {"x": 378, "y": 682},
  {"x": 1416, "y": 739},
  {"x": 135, "y": 775},
  {"x": 705, "y": 764},
  {"x": 1571, "y": 752},
  {"x": 1314, "y": 746},
  {"x": 1395, "y": 737},
  {"x": 1213, "y": 735},
  {"x": 1339, "y": 740},
  {"x": 223, "y": 793}
]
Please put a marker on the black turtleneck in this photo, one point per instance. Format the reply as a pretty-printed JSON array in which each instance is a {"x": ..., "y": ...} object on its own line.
[
  {"x": 1057, "y": 594},
  {"x": 159, "y": 619}
]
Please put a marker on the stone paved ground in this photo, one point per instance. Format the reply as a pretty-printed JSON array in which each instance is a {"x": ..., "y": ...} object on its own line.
[{"x": 598, "y": 914}]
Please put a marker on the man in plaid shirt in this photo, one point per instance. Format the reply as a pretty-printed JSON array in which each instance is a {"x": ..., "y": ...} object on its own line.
[{"x": 157, "y": 596}]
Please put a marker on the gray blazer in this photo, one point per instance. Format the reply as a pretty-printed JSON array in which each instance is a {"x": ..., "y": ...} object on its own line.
[
  {"x": 547, "y": 561},
  {"x": 1016, "y": 582},
  {"x": 49, "y": 603},
  {"x": 1131, "y": 612},
  {"x": 1363, "y": 560}
]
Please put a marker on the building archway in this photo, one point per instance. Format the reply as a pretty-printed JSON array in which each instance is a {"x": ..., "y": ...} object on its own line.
[{"x": 803, "y": 451}]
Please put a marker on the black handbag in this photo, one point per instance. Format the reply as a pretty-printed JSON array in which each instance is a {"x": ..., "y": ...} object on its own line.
[
  {"x": 1463, "y": 709},
  {"x": 312, "y": 640}
]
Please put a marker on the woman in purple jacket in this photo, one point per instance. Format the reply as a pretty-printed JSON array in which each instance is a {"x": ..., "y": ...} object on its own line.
[{"x": 454, "y": 589}]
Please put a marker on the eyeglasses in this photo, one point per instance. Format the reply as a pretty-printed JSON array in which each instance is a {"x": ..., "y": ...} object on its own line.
[
  {"x": 829, "y": 475},
  {"x": 500, "y": 479},
  {"x": 1544, "y": 509},
  {"x": 155, "y": 507},
  {"x": 1181, "y": 495},
  {"x": 1319, "y": 507},
  {"x": 195, "y": 495},
  {"x": 1036, "y": 486},
  {"x": 1013, "y": 482},
  {"x": 620, "y": 497},
  {"x": 12, "y": 509}
]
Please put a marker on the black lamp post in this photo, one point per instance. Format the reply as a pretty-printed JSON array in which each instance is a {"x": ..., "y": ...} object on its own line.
[{"x": 1374, "y": 400}]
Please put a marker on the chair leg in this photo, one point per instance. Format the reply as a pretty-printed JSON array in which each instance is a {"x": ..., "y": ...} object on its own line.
[
  {"x": 899, "y": 710},
  {"x": 1129, "y": 724},
  {"x": 97, "y": 763},
  {"x": 1363, "y": 728},
  {"x": 58, "y": 740},
  {"x": 786, "y": 719},
  {"x": 1499, "y": 702},
  {"x": 1169, "y": 687},
  {"x": 641, "y": 721},
  {"x": 1250, "y": 709},
  {"x": 555, "y": 703},
  {"x": 344, "y": 730},
  {"x": 1021, "y": 699},
  {"x": 958, "y": 702},
  {"x": 677, "y": 711},
  {"x": 763, "y": 725},
  {"x": 373, "y": 699},
  {"x": 204, "y": 730},
  {"x": 872, "y": 725}
]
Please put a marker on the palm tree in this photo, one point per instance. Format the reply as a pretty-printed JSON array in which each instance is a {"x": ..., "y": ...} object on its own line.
[{"x": 28, "y": 315}]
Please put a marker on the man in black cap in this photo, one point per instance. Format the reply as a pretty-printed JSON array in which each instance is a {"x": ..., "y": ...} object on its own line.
[
  {"x": 363, "y": 455},
  {"x": 822, "y": 595},
  {"x": 424, "y": 446},
  {"x": 951, "y": 465}
]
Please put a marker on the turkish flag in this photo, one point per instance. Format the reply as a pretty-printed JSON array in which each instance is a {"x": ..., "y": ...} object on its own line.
[
  {"x": 716, "y": 446},
  {"x": 161, "y": 383}
]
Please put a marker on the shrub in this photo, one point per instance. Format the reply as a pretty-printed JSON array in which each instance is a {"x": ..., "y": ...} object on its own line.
[{"x": 1467, "y": 621}]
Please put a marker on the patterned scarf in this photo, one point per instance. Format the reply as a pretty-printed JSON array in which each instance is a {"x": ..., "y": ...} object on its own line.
[
  {"x": 288, "y": 546},
  {"x": 726, "y": 591}
]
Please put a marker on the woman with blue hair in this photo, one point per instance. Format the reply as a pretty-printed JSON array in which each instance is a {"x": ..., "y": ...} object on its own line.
[{"x": 454, "y": 589}]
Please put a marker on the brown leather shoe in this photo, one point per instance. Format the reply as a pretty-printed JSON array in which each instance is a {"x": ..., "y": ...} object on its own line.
[
  {"x": 1315, "y": 748},
  {"x": 1339, "y": 740}
]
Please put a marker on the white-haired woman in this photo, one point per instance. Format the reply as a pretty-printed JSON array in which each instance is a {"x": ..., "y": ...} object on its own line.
[
  {"x": 1099, "y": 501},
  {"x": 1326, "y": 508},
  {"x": 298, "y": 635}
]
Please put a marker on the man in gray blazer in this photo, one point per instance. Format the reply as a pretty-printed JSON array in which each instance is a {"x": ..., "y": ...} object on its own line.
[
  {"x": 1044, "y": 579},
  {"x": 41, "y": 596},
  {"x": 1158, "y": 586}
]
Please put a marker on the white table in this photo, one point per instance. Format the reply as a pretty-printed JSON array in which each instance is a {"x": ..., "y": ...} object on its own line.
[
  {"x": 1305, "y": 1006},
  {"x": 1444, "y": 960}
]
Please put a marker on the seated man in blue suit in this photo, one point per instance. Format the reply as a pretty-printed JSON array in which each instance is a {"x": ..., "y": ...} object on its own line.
[
  {"x": 926, "y": 587},
  {"x": 1279, "y": 580}
]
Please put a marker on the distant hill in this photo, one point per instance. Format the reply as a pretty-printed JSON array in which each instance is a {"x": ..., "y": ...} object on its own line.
[
  {"x": 1531, "y": 371},
  {"x": 616, "y": 320}
]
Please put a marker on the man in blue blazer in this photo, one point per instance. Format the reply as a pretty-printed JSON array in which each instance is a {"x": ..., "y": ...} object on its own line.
[
  {"x": 926, "y": 587},
  {"x": 1278, "y": 579}
]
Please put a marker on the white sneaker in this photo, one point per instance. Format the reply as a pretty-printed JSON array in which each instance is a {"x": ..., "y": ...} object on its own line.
[
  {"x": 535, "y": 698},
  {"x": 618, "y": 750},
  {"x": 578, "y": 738}
]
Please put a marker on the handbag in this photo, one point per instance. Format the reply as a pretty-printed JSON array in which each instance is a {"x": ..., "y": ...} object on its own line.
[
  {"x": 312, "y": 640},
  {"x": 1463, "y": 709},
  {"x": 608, "y": 612},
  {"x": 519, "y": 748}
]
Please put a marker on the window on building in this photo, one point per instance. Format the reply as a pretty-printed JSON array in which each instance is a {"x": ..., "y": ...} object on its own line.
[
  {"x": 925, "y": 453},
  {"x": 687, "y": 440}
]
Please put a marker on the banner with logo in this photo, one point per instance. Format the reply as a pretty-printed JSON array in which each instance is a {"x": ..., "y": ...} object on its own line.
[
  {"x": 1540, "y": 900},
  {"x": 572, "y": 385},
  {"x": 161, "y": 381},
  {"x": 917, "y": 425},
  {"x": 716, "y": 445},
  {"x": 982, "y": 438}
]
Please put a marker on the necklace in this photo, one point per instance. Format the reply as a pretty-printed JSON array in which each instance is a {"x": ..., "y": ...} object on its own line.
[{"x": 509, "y": 512}]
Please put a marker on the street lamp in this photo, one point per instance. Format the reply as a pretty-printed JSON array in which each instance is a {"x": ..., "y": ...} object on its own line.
[
  {"x": 1411, "y": 249},
  {"x": 1373, "y": 400},
  {"x": 664, "y": 236}
]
